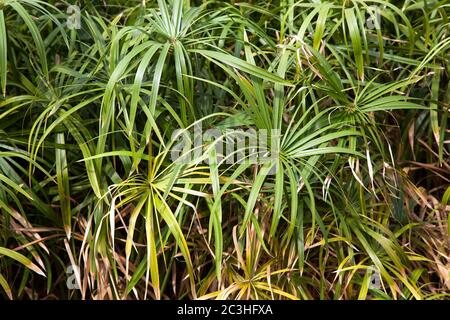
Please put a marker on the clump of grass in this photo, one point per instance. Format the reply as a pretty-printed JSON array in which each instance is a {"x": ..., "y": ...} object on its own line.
[{"x": 354, "y": 97}]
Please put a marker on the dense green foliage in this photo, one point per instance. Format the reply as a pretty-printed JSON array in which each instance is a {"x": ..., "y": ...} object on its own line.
[{"x": 355, "y": 205}]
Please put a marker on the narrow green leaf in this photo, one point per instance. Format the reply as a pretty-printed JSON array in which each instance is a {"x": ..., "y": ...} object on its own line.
[
  {"x": 3, "y": 53},
  {"x": 62, "y": 177},
  {"x": 240, "y": 65},
  {"x": 21, "y": 259},
  {"x": 355, "y": 36}
]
